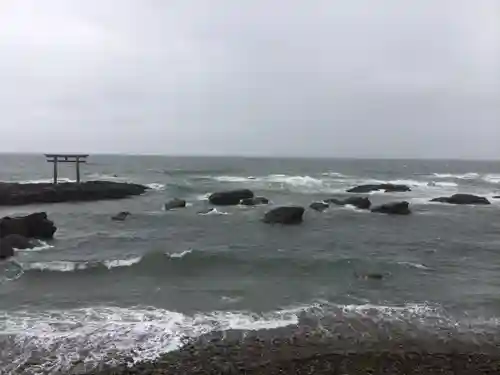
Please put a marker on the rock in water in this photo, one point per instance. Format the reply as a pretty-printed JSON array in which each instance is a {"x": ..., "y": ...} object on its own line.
[
  {"x": 18, "y": 194},
  {"x": 319, "y": 206},
  {"x": 121, "y": 216},
  {"x": 35, "y": 225},
  {"x": 362, "y": 203},
  {"x": 175, "y": 203},
  {"x": 254, "y": 201},
  {"x": 17, "y": 241},
  {"x": 285, "y": 215},
  {"x": 388, "y": 188},
  {"x": 396, "y": 208},
  {"x": 230, "y": 198},
  {"x": 462, "y": 199},
  {"x": 6, "y": 249}
]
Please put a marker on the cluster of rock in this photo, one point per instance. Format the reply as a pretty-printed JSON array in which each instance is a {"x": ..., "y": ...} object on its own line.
[
  {"x": 294, "y": 214},
  {"x": 19, "y": 232},
  {"x": 14, "y": 194}
]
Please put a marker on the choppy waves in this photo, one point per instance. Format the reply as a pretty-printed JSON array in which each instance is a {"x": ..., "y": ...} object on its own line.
[{"x": 333, "y": 182}]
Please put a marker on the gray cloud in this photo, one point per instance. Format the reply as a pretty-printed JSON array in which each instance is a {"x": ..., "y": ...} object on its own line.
[{"x": 317, "y": 78}]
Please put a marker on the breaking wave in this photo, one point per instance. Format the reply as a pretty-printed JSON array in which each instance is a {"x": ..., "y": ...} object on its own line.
[
  {"x": 111, "y": 335},
  {"x": 172, "y": 264}
]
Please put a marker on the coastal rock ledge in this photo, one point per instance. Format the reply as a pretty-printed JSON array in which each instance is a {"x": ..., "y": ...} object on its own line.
[{"x": 15, "y": 194}]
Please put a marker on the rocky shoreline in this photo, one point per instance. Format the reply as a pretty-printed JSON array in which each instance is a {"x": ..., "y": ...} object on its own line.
[
  {"x": 15, "y": 194},
  {"x": 312, "y": 352}
]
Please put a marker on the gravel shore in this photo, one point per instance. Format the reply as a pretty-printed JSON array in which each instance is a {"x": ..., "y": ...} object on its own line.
[{"x": 313, "y": 352}]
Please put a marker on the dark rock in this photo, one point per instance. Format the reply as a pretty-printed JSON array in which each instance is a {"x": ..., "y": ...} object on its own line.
[
  {"x": 230, "y": 198},
  {"x": 175, "y": 203},
  {"x": 496, "y": 197},
  {"x": 17, "y": 241},
  {"x": 388, "y": 188},
  {"x": 285, "y": 215},
  {"x": 362, "y": 203},
  {"x": 121, "y": 216},
  {"x": 6, "y": 249},
  {"x": 12, "y": 194},
  {"x": 35, "y": 225},
  {"x": 462, "y": 199},
  {"x": 396, "y": 208},
  {"x": 254, "y": 201},
  {"x": 371, "y": 276},
  {"x": 319, "y": 206}
]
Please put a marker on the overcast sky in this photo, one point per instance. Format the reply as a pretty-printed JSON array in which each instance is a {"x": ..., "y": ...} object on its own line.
[{"x": 347, "y": 78}]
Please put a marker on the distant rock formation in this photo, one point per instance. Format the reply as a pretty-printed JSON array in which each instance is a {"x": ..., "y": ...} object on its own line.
[
  {"x": 362, "y": 203},
  {"x": 395, "y": 208},
  {"x": 175, "y": 203},
  {"x": 462, "y": 199},
  {"x": 230, "y": 198},
  {"x": 13, "y": 194},
  {"x": 388, "y": 188},
  {"x": 287, "y": 215}
]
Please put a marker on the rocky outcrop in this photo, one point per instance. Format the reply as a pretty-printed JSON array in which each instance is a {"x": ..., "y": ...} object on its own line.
[
  {"x": 13, "y": 194},
  {"x": 362, "y": 203},
  {"x": 395, "y": 208},
  {"x": 462, "y": 199},
  {"x": 36, "y": 225},
  {"x": 17, "y": 241},
  {"x": 254, "y": 201},
  {"x": 6, "y": 249},
  {"x": 388, "y": 188},
  {"x": 121, "y": 216},
  {"x": 287, "y": 215},
  {"x": 319, "y": 206},
  {"x": 230, "y": 198},
  {"x": 175, "y": 203}
]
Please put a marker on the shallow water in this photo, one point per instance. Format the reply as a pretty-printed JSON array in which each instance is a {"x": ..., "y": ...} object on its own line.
[{"x": 103, "y": 288}]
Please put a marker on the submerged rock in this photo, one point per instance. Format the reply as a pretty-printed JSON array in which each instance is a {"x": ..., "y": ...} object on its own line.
[
  {"x": 388, "y": 188},
  {"x": 462, "y": 199},
  {"x": 121, "y": 216},
  {"x": 362, "y": 203},
  {"x": 254, "y": 201},
  {"x": 12, "y": 194},
  {"x": 285, "y": 215},
  {"x": 395, "y": 208},
  {"x": 35, "y": 225},
  {"x": 175, "y": 203},
  {"x": 230, "y": 198},
  {"x": 319, "y": 206}
]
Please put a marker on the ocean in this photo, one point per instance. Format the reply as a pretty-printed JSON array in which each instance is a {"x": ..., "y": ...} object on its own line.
[{"x": 102, "y": 290}]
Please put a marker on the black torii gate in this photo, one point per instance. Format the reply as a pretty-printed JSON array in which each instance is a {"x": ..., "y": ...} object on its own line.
[{"x": 67, "y": 158}]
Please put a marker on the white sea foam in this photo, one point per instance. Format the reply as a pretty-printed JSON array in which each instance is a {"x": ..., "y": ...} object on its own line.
[
  {"x": 414, "y": 265},
  {"x": 106, "y": 334},
  {"x": 214, "y": 211},
  {"x": 41, "y": 246},
  {"x": 140, "y": 333},
  {"x": 156, "y": 186},
  {"x": 180, "y": 254},
  {"x": 72, "y": 266},
  {"x": 492, "y": 178},
  {"x": 462, "y": 176},
  {"x": 46, "y": 181}
]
